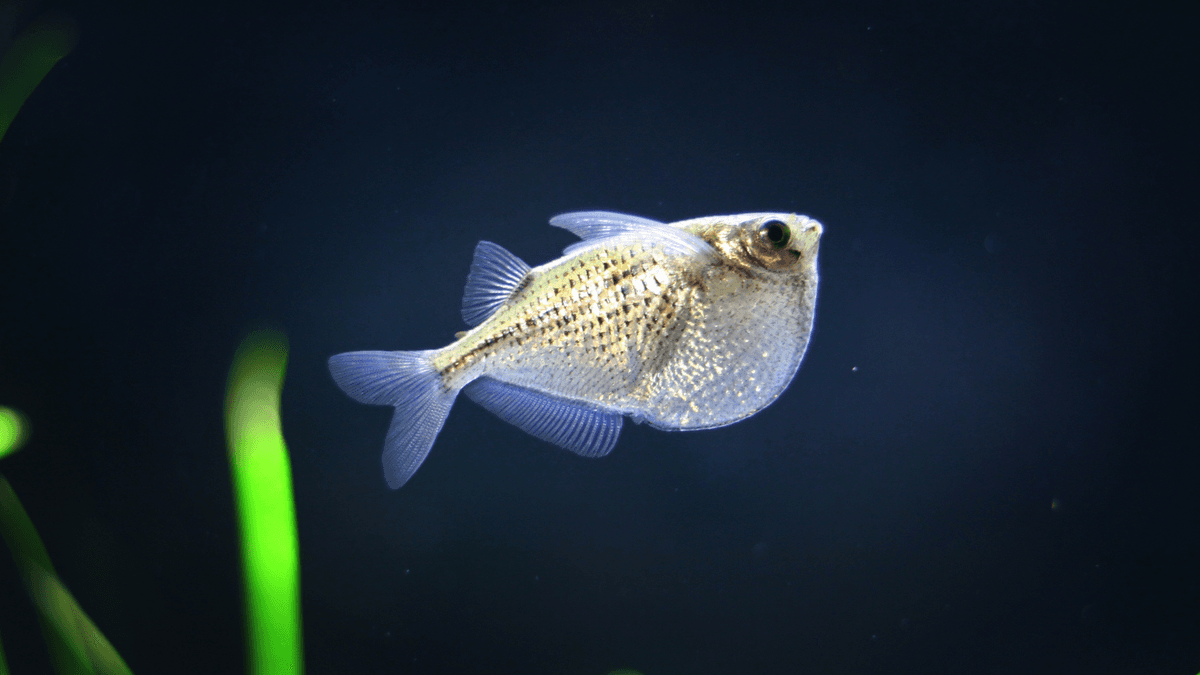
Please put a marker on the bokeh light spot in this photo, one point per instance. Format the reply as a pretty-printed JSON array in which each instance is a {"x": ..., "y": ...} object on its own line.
[{"x": 14, "y": 430}]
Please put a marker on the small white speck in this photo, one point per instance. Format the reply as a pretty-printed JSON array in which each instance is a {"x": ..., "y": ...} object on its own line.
[
  {"x": 406, "y": 572},
  {"x": 854, "y": 369}
]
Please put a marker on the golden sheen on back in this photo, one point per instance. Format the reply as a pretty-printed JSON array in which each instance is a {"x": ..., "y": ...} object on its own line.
[{"x": 688, "y": 325}]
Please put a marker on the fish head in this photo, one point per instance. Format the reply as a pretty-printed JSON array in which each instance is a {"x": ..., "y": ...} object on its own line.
[{"x": 782, "y": 243}]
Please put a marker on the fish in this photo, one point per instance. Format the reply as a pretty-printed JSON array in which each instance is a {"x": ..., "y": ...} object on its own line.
[{"x": 689, "y": 325}]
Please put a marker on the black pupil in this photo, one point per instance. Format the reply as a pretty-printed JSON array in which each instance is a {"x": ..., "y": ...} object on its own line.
[{"x": 776, "y": 233}]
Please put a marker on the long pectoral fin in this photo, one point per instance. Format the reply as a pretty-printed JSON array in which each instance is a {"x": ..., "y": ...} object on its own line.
[
  {"x": 601, "y": 224},
  {"x": 583, "y": 430},
  {"x": 593, "y": 226}
]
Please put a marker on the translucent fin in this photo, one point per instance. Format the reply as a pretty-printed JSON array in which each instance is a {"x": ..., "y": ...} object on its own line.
[
  {"x": 407, "y": 381},
  {"x": 600, "y": 224},
  {"x": 593, "y": 226},
  {"x": 581, "y": 429},
  {"x": 495, "y": 275}
]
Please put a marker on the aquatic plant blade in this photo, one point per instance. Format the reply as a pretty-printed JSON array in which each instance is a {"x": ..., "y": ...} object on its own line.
[
  {"x": 75, "y": 644},
  {"x": 33, "y": 53},
  {"x": 262, "y": 481},
  {"x": 87, "y": 644}
]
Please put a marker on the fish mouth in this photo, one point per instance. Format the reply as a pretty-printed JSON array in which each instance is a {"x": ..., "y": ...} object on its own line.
[{"x": 806, "y": 236}]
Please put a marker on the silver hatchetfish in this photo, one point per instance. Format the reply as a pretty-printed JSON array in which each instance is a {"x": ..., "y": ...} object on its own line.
[{"x": 689, "y": 325}]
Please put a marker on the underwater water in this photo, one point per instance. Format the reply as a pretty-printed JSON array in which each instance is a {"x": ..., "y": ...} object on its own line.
[{"x": 986, "y": 463}]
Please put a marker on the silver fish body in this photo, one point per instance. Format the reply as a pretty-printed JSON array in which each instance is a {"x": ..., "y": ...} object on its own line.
[{"x": 689, "y": 325}]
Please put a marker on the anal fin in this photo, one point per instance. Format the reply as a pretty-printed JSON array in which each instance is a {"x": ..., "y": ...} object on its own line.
[{"x": 585, "y": 431}]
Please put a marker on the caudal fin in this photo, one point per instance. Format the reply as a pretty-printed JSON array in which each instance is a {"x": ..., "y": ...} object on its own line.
[{"x": 408, "y": 382}]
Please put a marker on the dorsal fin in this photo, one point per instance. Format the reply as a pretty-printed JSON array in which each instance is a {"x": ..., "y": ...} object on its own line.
[
  {"x": 592, "y": 226},
  {"x": 495, "y": 276}
]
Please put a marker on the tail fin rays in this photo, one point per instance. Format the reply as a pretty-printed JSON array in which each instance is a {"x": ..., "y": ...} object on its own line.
[{"x": 408, "y": 382}]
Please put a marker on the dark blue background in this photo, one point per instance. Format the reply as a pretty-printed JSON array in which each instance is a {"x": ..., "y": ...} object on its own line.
[{"x": 1006, "y": 321}]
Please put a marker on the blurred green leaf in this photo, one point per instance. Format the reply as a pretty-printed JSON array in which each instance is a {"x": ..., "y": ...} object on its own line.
[
  {"x": 34, "y": 52},
  {"x": 262, "y": 479},
  {"x": 75, "y": 644}
]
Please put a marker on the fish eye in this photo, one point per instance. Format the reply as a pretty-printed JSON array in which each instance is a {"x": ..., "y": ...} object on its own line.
[{"x": 776, "y": 233}]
